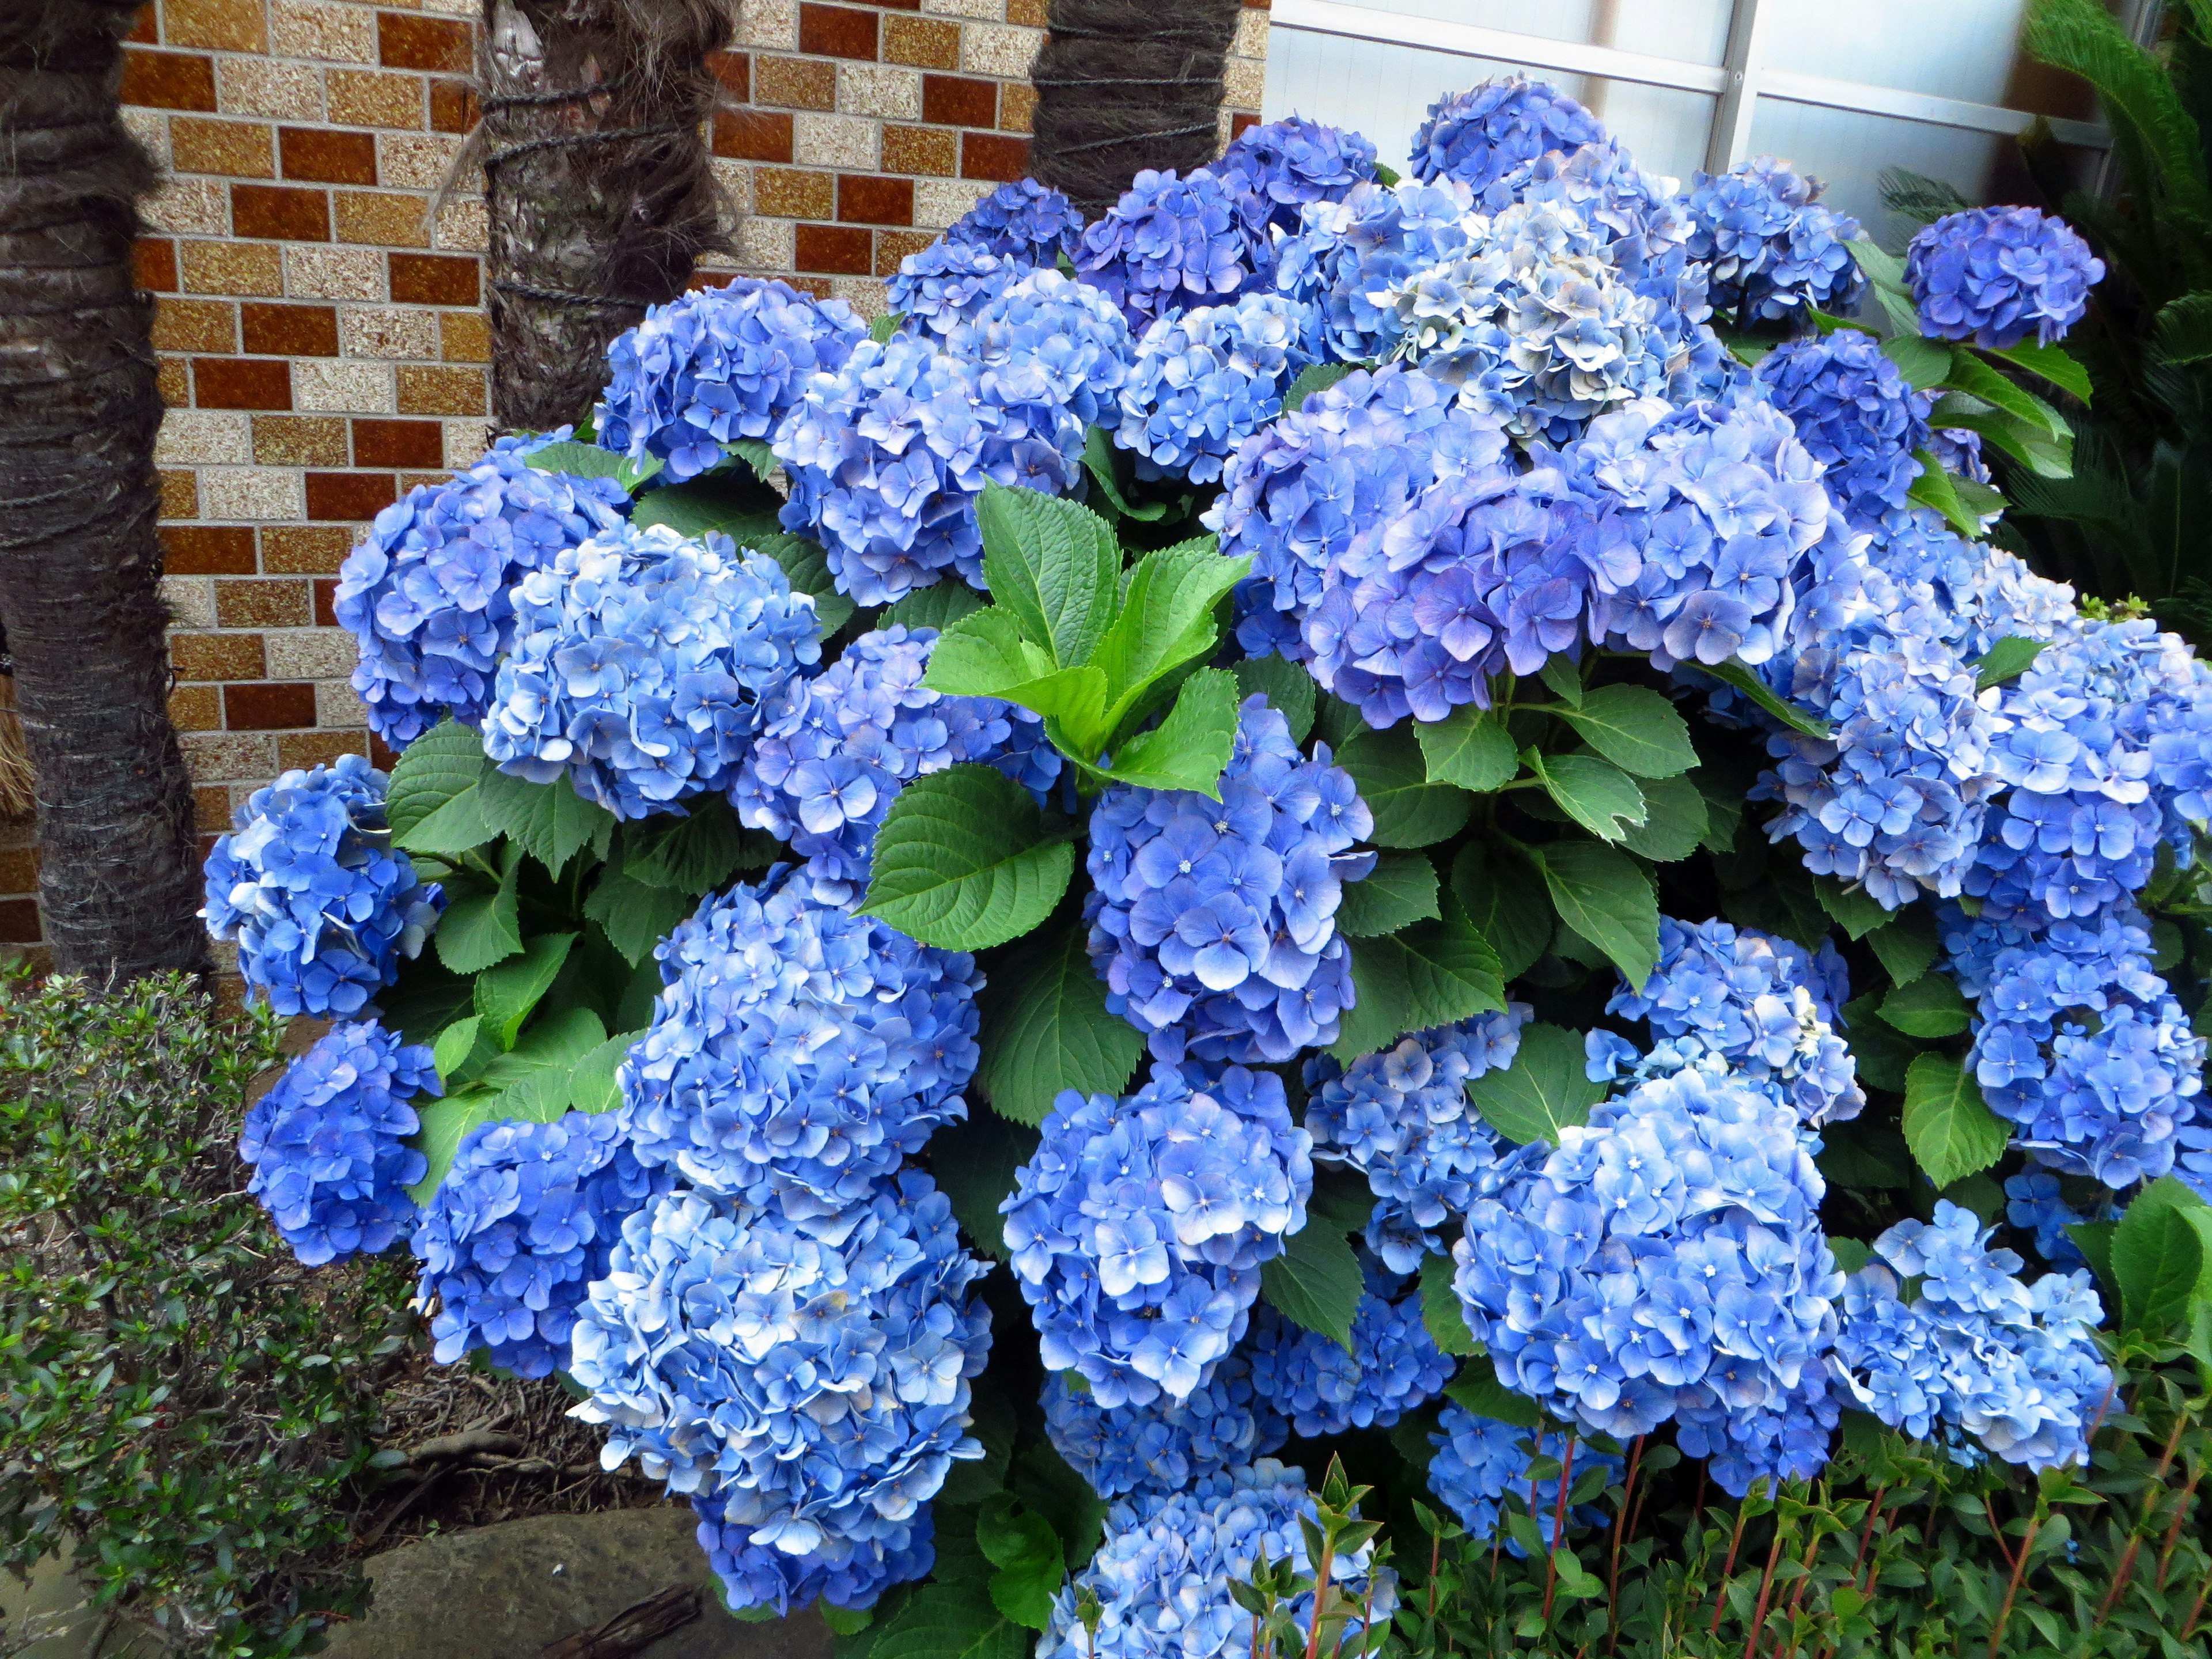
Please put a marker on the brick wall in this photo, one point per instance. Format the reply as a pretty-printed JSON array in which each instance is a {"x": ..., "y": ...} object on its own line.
[{"x": 321, "y": 340}]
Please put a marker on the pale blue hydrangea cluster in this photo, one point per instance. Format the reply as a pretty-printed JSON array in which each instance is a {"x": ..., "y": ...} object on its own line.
[
  {"x": 1288, "y": 163},
  {"x": 308, "y": 885},
  {"x": 328, "y": 1143},
  {"x": 426, "y": 592},
  {"x": 1350, "y": 253},
  {"x": 714, "y": 366},
  {"x": 1168, "y": 1445},
  {"x": 1172, "y": 243},
  {"x": 1772, "y": 248},
  {"x": 798, "y": 1052},
  {"x": 1758, "y": 1009},
  {"x": 1996, "y": 274},
  {"x": 1976, "y": 1358},
  {"x": 1477, "y": 137},
  {"x": 2035, "y": 1203},
  {"x": 1855, "y": 414},
  {"x": 1481, "y": 1467},
  {"x": 1667, "y": 1260},
  {"x": 947, "y": 282},
  {"x": 641, "y": 662},
  {"x": 1402, "y": 1119},
  {"x": 1213, "y": 922},
  {"x": 1139, "y": 1227},
  {"x": 1161, "y": 1577},
  {"x": 522, "y": 1223},
  {"x": 834, "y": 751},
  {"x": 1393, "y": 1365},
  {"x": 1205, "y": 380},
  {"x": 1024, "y": 221},
  {"x": 811, "y": 1394}
]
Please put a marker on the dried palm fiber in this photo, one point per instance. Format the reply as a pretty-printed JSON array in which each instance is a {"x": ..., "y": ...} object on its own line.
[
  {"x": 1123, "y": 85},
  {"x": 18, "y": 782},
  {"x": 79, "y": 567},
  {"x": 597, "y": 180}
]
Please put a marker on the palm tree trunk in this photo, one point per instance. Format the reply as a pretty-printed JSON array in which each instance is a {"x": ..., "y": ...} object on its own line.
[
  {"x": 79, "y": 564},
  {"x": 597, "y": 182},
  {"x": 1123, "y": 85}
]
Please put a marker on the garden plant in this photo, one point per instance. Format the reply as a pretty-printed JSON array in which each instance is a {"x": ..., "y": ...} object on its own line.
[{"x": 1336, "y": 827}]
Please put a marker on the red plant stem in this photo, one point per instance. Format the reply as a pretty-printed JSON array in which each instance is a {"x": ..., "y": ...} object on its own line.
[
  {"x": 2173, "y": 1532},
  {"x": 2135, "y": 1543},
  {"x": 1558, "y": 1528},
  {"x": 1765, "y": 1587},
  {"x": 1797, "y": 1595},
  {"x": 1435, "y": 1554},
  {"x": 1322, "y": 1579},
  {"x": 1727, "y": 1568},
  {"x": 1997, "y": 1529},
  {"x": 2019, "y": 1572},
  {"x": 2197, "y": 1611},
  {"x": 1619, "y": 1534},
  {"x": 1866, "y": 1533}
]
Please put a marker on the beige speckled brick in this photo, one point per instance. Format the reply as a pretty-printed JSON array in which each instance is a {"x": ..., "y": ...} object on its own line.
[
  {"x": 263, "y": 493},
  {"x": 736, "y": 178},
  {"x": 203, "y": 437},
  {"x": 190, "y": 600},
  {"x": 768, "y": 23},
  {"x": 363, "y": 98},
  {"x": 338, "y": 706},
  {"x": 1244, "y": 84},
  {"x": 150, "y": 127},
  {"x": 834, "y": 141},
  {"x": 864, "y": 294},
  {"x": 1251, "y": 34},
  {"x": 465, "y": 443},
  {"x": 219, "y": 757},
  {"x": 388, "y": 332},
  {"x": 998, "y": 49},
  {"x": 877, "y": 89},
  {"x": 463, "y": 228},
  {"x": 313, "y": 29},
  {"x": 253, "y": 86},
  {"x": 333, "y": 273},
  {"x": 771, "y": 244},
  {"x": 242, "y": 270},
  {"x": 414, "y": 160},
  {"x": 454, "y": 8},
  {"x": 380, "y": 218},
  {"x": 192, "y": 207},
  {"x": 348, "y": 388},
  {"x": 984, "y": 11},
  {"x": 310, "y": 653},
  {"x": 937, "y": 202}
]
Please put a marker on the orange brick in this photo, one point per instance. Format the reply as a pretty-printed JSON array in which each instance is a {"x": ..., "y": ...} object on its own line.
[
  {"x": 19, "y": 870},
  {"x": 784, "y": 194},
  {"x": 290, "y": 331},
  {"x": 330, "y": 158},
  {"x": 194, "y": 549},
  {"x": 349, "y": 496},
  {"x": 212, "y": 809},
  {"x": 241, "y": 383},
  {"x": 867, "y": 198},
  {"x": 465, "y": 337},
  {"x": 425, "y": 43},
  {"x": 196, "y": 708},
  {"x": 452, "y": 106},
  {"x": 195, "y": 326},
  {"x": 280, "y": 213},
  {"x": 304, "y": 549},
  {"x": 369, "y": 98},
  {"x": 1029, "y": 14},
  {"x": 168, "y": 80},
  {"x": 840, "y": 250},
  {"x": 753, "y": 135},
  {"x": 381, "y": 219},
  {"x": 302, "y": 750},
  {"x": 238, "y": 268},
  {"x": 180, "y": 493},
  {"x": 987, "y": 155},
  {"x": 441, "y": 391},
  {"x": 398, "y": 443},
  {"x": 217, "y": 656},
  {"x": 735, "y": 71},
  {"x": 923, "y": 42},
  {"x": 267, "y": 708},
  {"x": 175, "y": 380},
  {"x": 920, "y": 149},
  {"x": 1017, "y": 107},
  {"x": 817, "y": 286},
  {"x": 154, "y": 263},
  {"x": 241, "y": 149},
  {"x": 432, "y": 279},
  {"x": 795, "y": 83},
  {"x": 240, "y": 603},
  {"x": 219, "y": 25},
  {"x": 300, "y": 441}
]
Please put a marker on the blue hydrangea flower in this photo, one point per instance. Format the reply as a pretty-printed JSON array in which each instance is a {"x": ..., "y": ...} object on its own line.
[
  {"x": 523, "y": 1220},
  {"x": 327, "y": 1143},
  {"x": 1976, "y": 1353},
  {"x": 798, "y": 1053},
  {"x": 948, "y": 282},
  {"x": 1349, "y": 253},
  {"x": 1481, "y": 1465},
  {"x": 1403, "y": 1120},
  {"x": 1857, "y": 415},
  {"x": 1666, "y": 1261},
  {"x": 1995, "y": 275},
  {"x": 641, "y": 663},
  {"x": 1771, "y": 249},
  {"x": 1760, "y": 1009},
  {"x": 1213, "y": 922},
  {"x": 425, "y": 592},
  {"x": 307, "y": 884},
  {"x": 836, "y": 750},
  {"x": 1171, "y": 243},
  {"x": 1393, "y": 1365},
  {"x": 1478, "y": 135},
  {"x": 715, "y": 365},
  {"x": 810, "y": 1395},
  {"x": 1024, "y": 220},
  {"x": 1292, "y": 161},
  {"x": 1162, "y": 1575},
  {"x": 1168, "y": 1445},
  {"x": 2035, "y": 1203},
  {"x": 1139, "y": 1227},
  {"x": 1205, "y": 380}
]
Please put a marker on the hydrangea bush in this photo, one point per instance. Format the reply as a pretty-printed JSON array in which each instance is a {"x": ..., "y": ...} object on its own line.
[{"x": 1662, "y": 961}]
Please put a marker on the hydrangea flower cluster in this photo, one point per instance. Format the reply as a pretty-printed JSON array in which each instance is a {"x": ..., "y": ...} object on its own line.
[
  {"x": 525, "y": 1218},
  {"x": 1479, "y": 136},
  {"x": 1480, "y": 1463},
  {"x": 1855, "y": 414},
  {"x": 328, "y": 1143},
  {"x": 716, "y": 365},
  {"x": 640, "y": 662},
  {"x": 947, "y": 282},
  {"x": 308, "y": 885},
  {"x": 1403, "y": 1120},
  {"x": 1350, "y": 253},
  {"x": 1995, "y": 275},
  {"x": 1170, "y": 1444},
  {"x": 1666, "y": 1260},
  {"x": 1171, "y": 243},
  {"x": 425, "y": 592},
  {"x": 1772, "y": 249},
  {"x": 1024, "y": 221},
  {"x": 1139, "y": 1227},
  {"x": 1162, "y": 1576},
  {"x": 798, "y": 1053},
  {"x": 1975, "y": 1352},
  {"x": 1756, "y": 1008},
  {"x": 836, "y": 750},
  {"x": 1288, "y": 163},
  {"x": 1213, "y": 922},
  {"x": 1393, "y": 1365},
  {"x": 811, "y": 1395},
  {"x": 1205, "y": 380}
]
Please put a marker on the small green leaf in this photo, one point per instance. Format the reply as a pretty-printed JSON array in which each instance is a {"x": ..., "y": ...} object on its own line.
[
  {"x": 1289, "y": 689},
  {"x": 577, "y": 460},
  {"x": 1850, "y": 1254},
  {"x": 1906, "y": 945},
  {"x": 885, "y": 326},
  {"x": 441, "y": 763},
  {"x": 550, "y": 822},
  {"x": 1931, "y": 1006},
  {"x": 1477, "y": 1389},
  {"x": 1470, "y": 748},
  {"x": 633, "y": 916},
  {"x": 1741, "y": 677},
  {"x": 1675, "y": 823},
  {"x": 689, "y": 855},
  {"x": 1971, "y": 375},
  {"x": 480, "y": 928},
  {"x": 1190, "y": 748},
  {"x": 2051, "y": 364},
  {"x": 1166, "y": 619},
  {"x": 1597, "y": 794},
  {"x": 1545, "y": 1089},
  {"x": 1098, "y": 462},
  {"x": 1952, "y": 1132},
  {"x": 1441, "y": 1314},
  {"x": 962, "y": 861},
  {"x": 1047, "y": 1028},
  {"x": 1935, "y": 488},
  {"x": 595, "y": 1084},
  {"x": 507, "y": 1089},
  {"x": 2158, "y": 1257},
  {"x": 938, "y": 606},
  {"x": 1400, "y": 892},
  {"x": 984, "y": 655},
  {"x": 1054, "y": 564},
  {"x": 1603, "y": 895},
  {"x": 1507, "y": 908},
  {"x": 454, "y": 1045},
  {"x": 1565, "y": 678},
  {"x": 1316, "y": 1283},
  {"x": 1922, "y": 362},
  {"x": 1857, "y": 911},
  {"x": 1318, "y": 376},
  {"x": 1025, "y": 1550},
  {"x": 1393, "y": 778},
  {"x": 1635, "y": 728},
  {"x": 507, "y": 993},
  {"x": 458, "y": 826},
  {"x": 2007, "y": 659}
]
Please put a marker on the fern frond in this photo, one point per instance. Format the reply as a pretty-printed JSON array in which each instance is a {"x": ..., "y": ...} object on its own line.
[
  {"x": 1922, "y": 200},
  {"x": 2184, "y": 334},
  {"x": 2081, "y": 37}
]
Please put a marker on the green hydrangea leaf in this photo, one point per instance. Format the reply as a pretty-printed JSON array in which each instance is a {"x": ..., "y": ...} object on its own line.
[
  {"x": 1400, "y": 891},
  {"x": 1047, "y": 1028},
  {"x": 1635, "y": 728},
  {"x": 963, "y": 862},
  {"x": 1470, "y": 748},
  {"x": 1392, "y": 775},
  {"x": 446, "y": 761},
  {"x": 1289, "y": 689},
  {"x": 1316, "y": 1283},
  {"x": 1190, "y": 748},
  {"x": 1603, "y": 895},
  {"x": 1950, "y": 1128},
  {"x": 1542, "y": 1092},
  {"x": 550, "y": 822}
]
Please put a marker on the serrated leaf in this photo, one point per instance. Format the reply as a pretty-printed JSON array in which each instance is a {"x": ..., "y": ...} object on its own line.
[
  {"x": 1047, "y": 1028},
  {"x": 1316, "y": 1283},
  {"x": 1190, "y": 748},
  {"x": 1675, "y": 820},
  {"x": 952, "y": 1618},
  {"x": 2007, "y": 659},
  {"x": 1603, "y": 895},
  {"x": 458, "y": 826},
  {"x": 577, "y": 460},
  {"x": 1635, "y": 728},
  {"x": 1054, "y": 564},
  {"x": 594, "y": 1084},
  {"x": 1025, "y": 1550},
  {"x": 1857, "y": 911},
  {"x": 722, "y": 503},
  {"x": 479, "y": 927},
  {"x": 1510, "y": 910},
  {"x": 1740, "y": 676},
  {"x": 1317, "y": 377},
  {"x": 688, "y": 855},
  {"x": 1597, "y": 794},
  {"x": 756, "y": 454},
  {"x": 1951, "y": 1130},
  {"x": 441, "y": 763},
  {"x": 550, "y": 822},
  {"x": 507, "y": 993},
  {"x": 984, "y": 655},
  {"x": 1931, "y": 1006},
  {"x": 633, "y": 916},
  {"x": 1477, "y": 1389},
  {"x": 1906, "y": 945},
  {"x": 1881, "y": 1052},
  {"x": 1545, "y": 1089},
  {"x": 1433, "y": 973},
  {"x": 1380, "y": 995},
  {"x": 454, "y": 1045},
  {"x": 1922, "y": 362},
  {"x": 1400, "y": 890},
  {"x": 1289, "y": 689},
  {"x": 1165, "y": 620},
  {"x": 2158, "y": 1259},
  {"x": 962, "y": 861},
  {"x": 807, "y": 567},
  {"x": 507, "y": 1089},
  {"x": 1441, "y": 1314},
  {"x": 938, "y": 606},
  {"x": 1392, "y": 775},
  {"x": 1470, "y": 748}
]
